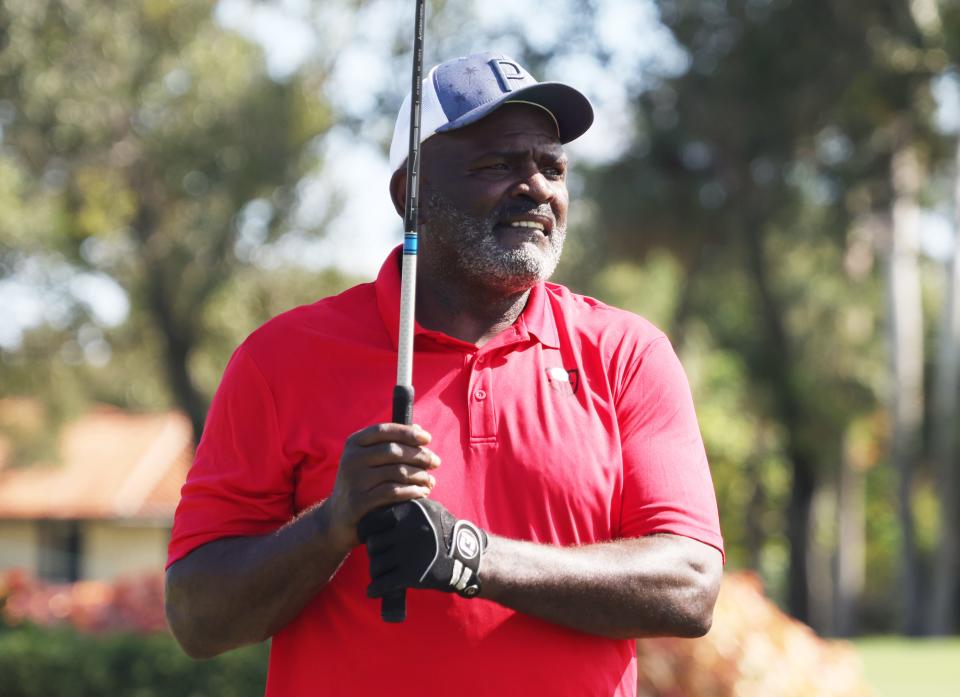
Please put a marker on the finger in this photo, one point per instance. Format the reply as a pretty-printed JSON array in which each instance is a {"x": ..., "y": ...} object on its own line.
[
  {"x": 399, "y": 433},
  {"x": 379, "y": 543},
  {"x": 405, "y": 475},
  {"x": 393, "y": 452},
  {"x": 382, "y": 564},
  {"x": 392, "y": 492}
]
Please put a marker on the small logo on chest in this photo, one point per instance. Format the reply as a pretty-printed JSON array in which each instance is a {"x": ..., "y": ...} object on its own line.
[{"x": 562, "y": 380}]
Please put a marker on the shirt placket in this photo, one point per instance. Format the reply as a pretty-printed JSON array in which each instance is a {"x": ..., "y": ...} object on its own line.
[{"x": 480, "y": 402}]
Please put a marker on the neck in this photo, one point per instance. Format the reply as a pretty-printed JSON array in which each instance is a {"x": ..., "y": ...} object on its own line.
[{"x": 471, "y": 313}]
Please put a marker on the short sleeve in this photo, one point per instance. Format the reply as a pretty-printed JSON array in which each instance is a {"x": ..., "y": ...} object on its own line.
[
  {"x": 666, "y": 479},
  {"x": 240, "y": 482}
]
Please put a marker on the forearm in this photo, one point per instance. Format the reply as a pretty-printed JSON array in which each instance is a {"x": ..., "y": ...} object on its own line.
[
  {"x": 648, "y": 586},
  {"x": 241, "y": 590}
]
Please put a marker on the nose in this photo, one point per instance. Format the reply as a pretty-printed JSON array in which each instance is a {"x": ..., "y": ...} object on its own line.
[{"x": 536, "y": 187}]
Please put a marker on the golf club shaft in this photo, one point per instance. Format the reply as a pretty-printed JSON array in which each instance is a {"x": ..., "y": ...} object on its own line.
[{"x": 394, "y": 606}]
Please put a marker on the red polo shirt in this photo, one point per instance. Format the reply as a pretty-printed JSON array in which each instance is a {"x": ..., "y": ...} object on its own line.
[{"x": 573, "y": 426}]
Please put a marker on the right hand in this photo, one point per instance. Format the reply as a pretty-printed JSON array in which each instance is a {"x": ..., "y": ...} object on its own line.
[{"x": 381, "y": 465}]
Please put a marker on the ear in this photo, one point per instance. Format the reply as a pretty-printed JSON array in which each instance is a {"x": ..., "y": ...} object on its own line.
[{"x": 398, "y": 192}]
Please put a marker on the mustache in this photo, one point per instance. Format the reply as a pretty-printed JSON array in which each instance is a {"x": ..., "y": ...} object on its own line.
[
  {"x": 438, "y": 203},
  {"x": 520, "y": 208}
]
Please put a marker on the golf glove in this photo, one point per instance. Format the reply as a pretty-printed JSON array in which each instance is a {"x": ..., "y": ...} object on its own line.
[{"x": 419, "y": 544}]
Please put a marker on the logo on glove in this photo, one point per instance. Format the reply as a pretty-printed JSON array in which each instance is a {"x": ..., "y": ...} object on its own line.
[{"x": 468, "y": 544}]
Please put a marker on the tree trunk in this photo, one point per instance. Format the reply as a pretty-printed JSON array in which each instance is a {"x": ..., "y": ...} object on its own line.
[
  {"x": 179, "y": 344},
  {"x": 822, "y": 551},
  {"x": 755, "y": 535},
  {"x": 906, "y": 365},
  {"x": 798, "y": 533},
  {"x": 681, "y": 315},
  {"x": 850, "y": 569},
  {"x": 942, "y": 612},
  {"x": 777, "y": 373},
  {"x": 178, "y": 334}
]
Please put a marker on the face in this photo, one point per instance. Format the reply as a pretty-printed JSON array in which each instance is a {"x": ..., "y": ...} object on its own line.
[{"x": 494, "y": 200}]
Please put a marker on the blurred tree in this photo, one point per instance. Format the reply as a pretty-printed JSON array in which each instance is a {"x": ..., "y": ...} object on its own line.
[
  {"x": 751, "y": 167},
  {"x": 943, "y": 615},
  {"x": 905, "y": 336},
  {"x": 942, "y": 612},
  {"x": 133, "y": 134}
]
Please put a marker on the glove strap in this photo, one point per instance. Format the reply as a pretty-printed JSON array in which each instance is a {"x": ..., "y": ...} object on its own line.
[{"x": 467, "y": 545}]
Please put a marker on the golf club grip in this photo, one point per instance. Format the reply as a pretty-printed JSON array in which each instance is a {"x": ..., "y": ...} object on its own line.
[
  {"x": 393, "y": 607},
  {"x": 403, "y": 404}
]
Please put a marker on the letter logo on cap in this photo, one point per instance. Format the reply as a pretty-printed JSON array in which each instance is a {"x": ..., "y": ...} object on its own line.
[{"x": 506, "y": 71}]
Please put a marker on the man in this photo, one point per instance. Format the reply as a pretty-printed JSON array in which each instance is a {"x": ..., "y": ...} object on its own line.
[{"x": 556, "y": 502}]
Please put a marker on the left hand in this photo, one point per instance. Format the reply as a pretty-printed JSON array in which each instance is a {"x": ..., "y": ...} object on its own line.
[{"x": 420, "y": 544}]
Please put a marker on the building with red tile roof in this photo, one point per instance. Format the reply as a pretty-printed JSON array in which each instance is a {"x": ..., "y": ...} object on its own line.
[{"x": 104, "y": 508}]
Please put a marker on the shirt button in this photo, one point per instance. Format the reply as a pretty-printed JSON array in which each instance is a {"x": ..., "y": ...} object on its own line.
[
  {"x": 481, "y": 360},
  {"x": 480, "y": 394}
]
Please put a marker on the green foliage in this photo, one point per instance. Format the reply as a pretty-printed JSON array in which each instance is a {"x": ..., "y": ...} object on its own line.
[
  {"x": 42, "y": 662},
  {"x": 651, "y": 289},
  {"x": 134, "y": 134},
  {"x": 28, "y": 215}
]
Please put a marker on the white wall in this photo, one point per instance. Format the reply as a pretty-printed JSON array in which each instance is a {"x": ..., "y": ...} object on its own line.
[
  {"x": 108, "y": 548},
  {"x": 112, "y": 549},
  {"x": 18, "y": 545}
]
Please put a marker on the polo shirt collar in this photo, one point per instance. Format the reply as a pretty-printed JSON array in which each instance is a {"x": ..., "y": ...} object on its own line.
[
  {"x": 535, "y": 321},
  {"x": 538, "y": 318}
]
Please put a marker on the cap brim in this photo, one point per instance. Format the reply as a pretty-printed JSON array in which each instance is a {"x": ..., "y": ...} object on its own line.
[{"x": 571, "y": 109}]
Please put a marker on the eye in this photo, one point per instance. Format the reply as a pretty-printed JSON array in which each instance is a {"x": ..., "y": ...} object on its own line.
[
  {"x": 554, "y": 171},
  {"x": 490, "y": 167}
]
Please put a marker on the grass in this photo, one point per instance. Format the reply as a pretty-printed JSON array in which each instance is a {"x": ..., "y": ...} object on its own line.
[{"x": 900, "y": 667}]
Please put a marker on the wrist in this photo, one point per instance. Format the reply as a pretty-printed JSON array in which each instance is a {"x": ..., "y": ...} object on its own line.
[
  {"x": 491, "y": 567},
  {"x": 467, "y": 547},
  {"x": 334, "y": 537}
]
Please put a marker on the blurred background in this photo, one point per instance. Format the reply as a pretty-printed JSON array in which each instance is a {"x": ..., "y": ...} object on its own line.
[{"x": 772, "y": 182}]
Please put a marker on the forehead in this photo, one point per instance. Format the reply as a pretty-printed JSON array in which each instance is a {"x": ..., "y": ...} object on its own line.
[{"x": 522, "y": 126}]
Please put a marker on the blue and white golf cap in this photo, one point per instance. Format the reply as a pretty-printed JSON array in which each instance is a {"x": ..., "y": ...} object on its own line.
[{"x": 462, "y": 91}]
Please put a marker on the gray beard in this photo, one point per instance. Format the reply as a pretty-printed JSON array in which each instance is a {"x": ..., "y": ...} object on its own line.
[{"x": 465, "y": 245}]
